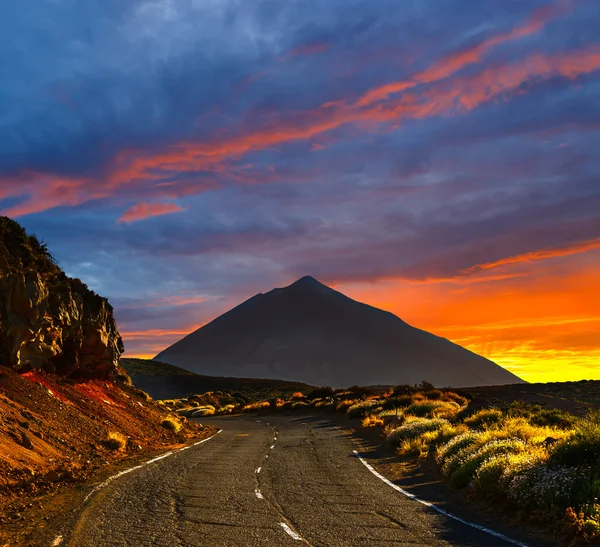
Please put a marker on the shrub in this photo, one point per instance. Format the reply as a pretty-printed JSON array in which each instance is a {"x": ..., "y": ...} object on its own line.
[
  {"x": 344, "y": 404},
  {"x": 360, "y": 391},
  {"x": 398, "y": 402},
  {"x": 542, "y": 416},
  {"x": 297, "y": 395},
  {"x": 299, "y": 404},
  {"x": 320, "y": 393},
  {"x": 446, "y": 433},
  {"x": 485, "y": 418},
  {"x": 372, "y": 420},
  {"x": 461, "y": 400},
  {"x": 227, "y": 409},
  {"x": 414, "y": 428},
  {"x": 418, "y": 447},
  {"x": 465, "y": 468},
  {"x": 359, "y": 410},
  {"x": 582, "y": 447},
  {"x": 434, "y": 394},
  {"x": 584, "y": 523},
  {"x": 144, "y": 395},
  {"x": 404, "y": 389},
  {"x": 253, "y": 407},
  {"x": 115, "y": 441},
  {"x": 171, "y": 424},
  {"x": 455, "y": 445},
  {"x": 545, "y": 487},
  {"x": 486, "y": 482},
  {"x": 430, "y": 409},
  {"x": 276, "y": 403},
  {"x": 203, "y": 411},
  {"x": 524, "y": 430}
]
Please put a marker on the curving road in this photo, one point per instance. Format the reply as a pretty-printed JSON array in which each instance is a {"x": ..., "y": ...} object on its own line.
[{"x": 290, "y": 481}]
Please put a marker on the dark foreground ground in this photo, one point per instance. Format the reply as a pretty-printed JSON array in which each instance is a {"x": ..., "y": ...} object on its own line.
[{"x": 271, "y": 481}]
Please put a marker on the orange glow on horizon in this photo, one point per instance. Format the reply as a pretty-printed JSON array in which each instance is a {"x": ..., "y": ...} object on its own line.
[
  {"x": 543, "y": 325},
  {"x": 539, "y": 319}
]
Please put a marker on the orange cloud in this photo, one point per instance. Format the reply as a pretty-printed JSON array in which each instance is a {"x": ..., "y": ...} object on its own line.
[
  {"x": 153, "y": 333},
  {"x": 145, "y": 210},
  {"x": 453, "y": 62},
  {"x": 543, "y": 254},
  {"x": 464, "y": 93}
]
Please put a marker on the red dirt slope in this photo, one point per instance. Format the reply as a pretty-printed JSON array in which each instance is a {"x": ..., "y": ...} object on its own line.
[{"x": 52, "y": 432}]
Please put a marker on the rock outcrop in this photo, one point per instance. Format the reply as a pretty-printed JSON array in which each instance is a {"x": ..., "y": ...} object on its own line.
[{"x": 47, "y": 320}]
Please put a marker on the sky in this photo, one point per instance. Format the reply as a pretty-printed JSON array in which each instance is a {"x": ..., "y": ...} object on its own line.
[{"x": 439, "y": 159}]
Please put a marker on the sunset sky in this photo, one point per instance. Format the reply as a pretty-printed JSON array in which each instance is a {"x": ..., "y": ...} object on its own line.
[{"x": 439, "y": 159}]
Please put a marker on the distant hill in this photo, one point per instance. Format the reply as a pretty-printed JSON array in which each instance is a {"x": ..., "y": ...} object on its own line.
[
  {"x": 308, "y": 332},
  {"x": 164, "y": 381}
]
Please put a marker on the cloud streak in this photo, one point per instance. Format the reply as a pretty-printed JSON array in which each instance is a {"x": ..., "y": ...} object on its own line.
[{"x": 143, "y": 211}]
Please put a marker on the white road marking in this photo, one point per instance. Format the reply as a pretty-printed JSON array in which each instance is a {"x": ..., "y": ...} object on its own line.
[
  {"x": 121, "y": 473},
  {"x": 162, "y": 457},
  {"x": 57, "y": 541},
  {"x": 258, "y": 470},
  {"x": 258, "y": 494},
  {"x": 290, "y": 532},
  {"x": 435, "y": 507}
]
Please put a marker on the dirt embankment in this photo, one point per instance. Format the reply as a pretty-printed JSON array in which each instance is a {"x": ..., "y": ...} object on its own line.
[{"x": 54, "y": 432}]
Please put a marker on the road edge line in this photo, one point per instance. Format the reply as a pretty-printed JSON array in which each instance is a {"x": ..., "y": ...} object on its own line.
[{"x": 435, "y": 507}]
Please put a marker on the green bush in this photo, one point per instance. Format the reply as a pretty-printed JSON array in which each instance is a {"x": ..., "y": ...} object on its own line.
[
  {"x": 360, "y": 410},
  {"x": 546, "y": 487},
  {"x": 397, "y": 402},
  {"x": 413, "y": 429},
  {"x": 582, "y": 447},
  {"x": 485, "y": 418},
  {"x": 455, "y": 445},
  {"x": 486, "y": 482},
  {"x": 468, "y": 461}
]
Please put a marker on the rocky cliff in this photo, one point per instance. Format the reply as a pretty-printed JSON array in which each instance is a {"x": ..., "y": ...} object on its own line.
[{"x": 47, "y": 320}]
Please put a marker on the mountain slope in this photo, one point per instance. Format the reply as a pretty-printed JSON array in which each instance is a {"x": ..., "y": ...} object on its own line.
[{"x": 311, "y": 333}]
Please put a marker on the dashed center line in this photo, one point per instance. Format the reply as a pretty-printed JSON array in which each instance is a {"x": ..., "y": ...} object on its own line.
[
  {"x": 258, "y": 494},
  {"x": 258, "y": 470}
]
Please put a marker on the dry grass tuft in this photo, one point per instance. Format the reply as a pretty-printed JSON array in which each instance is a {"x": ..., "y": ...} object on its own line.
[
  {"x": 372, "y": 420},
  {"x": 115, "y": 441},
  {"x": 253, "y": 407},
  {"x": 171, "y": 424}
]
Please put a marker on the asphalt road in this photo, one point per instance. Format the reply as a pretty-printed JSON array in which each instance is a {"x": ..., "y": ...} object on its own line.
[{"x": 291, "y": 481}]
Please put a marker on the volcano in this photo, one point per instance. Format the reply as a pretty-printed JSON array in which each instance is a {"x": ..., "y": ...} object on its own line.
[{"x": 308, "y": 332}]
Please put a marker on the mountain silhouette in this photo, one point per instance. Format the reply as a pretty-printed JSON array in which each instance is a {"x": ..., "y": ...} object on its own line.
[{"x": 308, "y": 332}]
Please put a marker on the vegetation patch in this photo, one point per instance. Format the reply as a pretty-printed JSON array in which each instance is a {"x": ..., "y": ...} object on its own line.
[{"x": 115, "y": 441}]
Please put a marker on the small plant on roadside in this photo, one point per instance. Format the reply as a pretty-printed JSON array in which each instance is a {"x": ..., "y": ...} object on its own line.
[
  {"x": 359, "y": 410},
  {"x": 171, "y": 424},
  {"x": 115, "y": 441},
  {"x": 413, "y": 429},
  {"x": 372, "y": 420}
]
